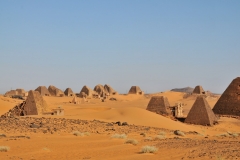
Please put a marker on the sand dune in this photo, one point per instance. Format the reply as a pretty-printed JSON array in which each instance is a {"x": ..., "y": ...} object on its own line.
[{"x": 127, "y": 108}]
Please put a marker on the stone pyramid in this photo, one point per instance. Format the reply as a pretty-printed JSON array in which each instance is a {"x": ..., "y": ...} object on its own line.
[
  {"x": 86, "y": 92},
  {"x": 68, "y": 92},
  {"x": 110, "y": 90},
  {"x": 229, "y": 102},
  {"x": 54, "y": 91},
  {"x": 75, "y": 101},
  {"x": 35, "y": 104},
  {"x": 159, "y": 105},
  {"x": 198, "y": 90},
  {"x": 100, "y": 90},
  {"x": 201, "y": 113},
  {"x": 135, "y": 90},
  {"x": 43, "y": 91}
]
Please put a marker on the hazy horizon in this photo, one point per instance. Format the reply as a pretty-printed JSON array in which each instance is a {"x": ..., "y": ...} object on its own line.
[{"x": 157, "y": 45}]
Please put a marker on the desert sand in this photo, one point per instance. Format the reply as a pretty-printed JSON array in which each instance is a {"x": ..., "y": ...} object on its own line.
[{"x": 54, "y": 139}]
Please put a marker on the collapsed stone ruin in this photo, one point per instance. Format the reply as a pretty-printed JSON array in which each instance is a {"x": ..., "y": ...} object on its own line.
[
  {"x": 17, "y": 92},
  {"x": 178, "y": 110}
]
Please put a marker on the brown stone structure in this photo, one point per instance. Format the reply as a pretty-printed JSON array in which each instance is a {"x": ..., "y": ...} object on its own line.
[
  {"x": 136, "y": 90},
  {"x": 201, "y": 113},
  {"x": 100, "y": 90},
  {"x": 34, "y": 105},
  {"x": 86, "y": 92},
  {"x": 159, "y": 105},
  {"x": 68, "y": 92},
  {"x": 54, "y": 91},
  {"x": 43, "y": 91},
  {"x": 19, "y": 92},
  {"x": 75, "y": 101},
  {"x": 110, "y": 90},
  {"x": 229, "y": 102},
  {"x": 58, "y": 111},
  {"x": 198, "y": 90}
]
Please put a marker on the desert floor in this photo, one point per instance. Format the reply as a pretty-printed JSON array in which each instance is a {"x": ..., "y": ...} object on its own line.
[{"x": 54, "y": 139}]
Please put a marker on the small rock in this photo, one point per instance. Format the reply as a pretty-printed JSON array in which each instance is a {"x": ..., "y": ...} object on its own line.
[{"x": 124, "y": 124}]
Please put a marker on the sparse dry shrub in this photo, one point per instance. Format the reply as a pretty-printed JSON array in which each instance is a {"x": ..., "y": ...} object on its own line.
[
  {"x": 149, "y": 149},
  {"x": 148, "y": 138},
  {"x": 235, "y": 134},
  {"x": 77, "y": 133},
  {"x": 86, "y": 133},
  {"x": 131, "y": 141},
  {"x": 179, "y": 133},
  {"x": 143, "y": 134},
  {"x": 2, "y": 135},
  {"x": 223, "y": 135},
  {"x": 162, "y": 133},
  {"x": 120, "y": 136},
  {"x": 4, "y": 148},
  {"x": 160, "y": 137}
]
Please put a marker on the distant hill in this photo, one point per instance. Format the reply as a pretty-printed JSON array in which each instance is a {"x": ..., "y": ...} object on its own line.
[{"x": 186, "y": 90}]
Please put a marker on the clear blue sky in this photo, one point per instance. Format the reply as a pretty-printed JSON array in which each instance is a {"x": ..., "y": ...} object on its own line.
[{"x": 156, "y": 44}]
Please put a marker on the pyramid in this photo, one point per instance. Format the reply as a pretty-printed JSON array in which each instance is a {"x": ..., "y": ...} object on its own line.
[
  {"x": 100, "y": 90},
  {"x": 198, "y": 90},
  {"x": 201, "y": 113},
  {"x": 135, "y": 90},
  {"x": 86, "y": 92},
  {"x": 159, "y": 105},
  {"x": 68, "y": 92},
  {"x": 54, "y": 91},
  {"x": 43, "y": 91},
  {"x": 109, "y": 90},
  {"x": 75, "y": 101},
  {"x": 35, "y": 104},
  {"x": 229, "y": 102},
  {"x": 11, "y": 93},
  {"x": 19, "y": 92}
]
